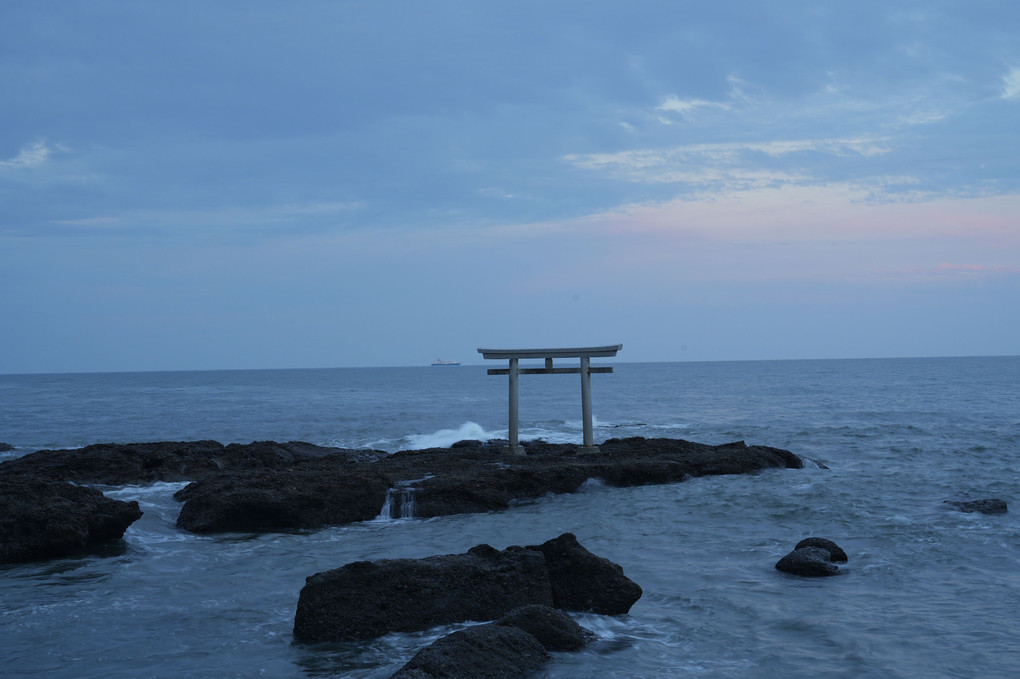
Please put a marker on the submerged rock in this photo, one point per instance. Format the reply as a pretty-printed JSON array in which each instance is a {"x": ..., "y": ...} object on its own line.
[
  {"x": 498, "y": 649},
  {"x": 554, "y": 629},
  {"x": 813, "y": 557},
  {"x": 364, "y": 600},
  {"x": 985, "y": 506},
  {"x": 481, "y": 652},
  {"x": 808, "y": 561},
  {"x": 44, "y": 519}
]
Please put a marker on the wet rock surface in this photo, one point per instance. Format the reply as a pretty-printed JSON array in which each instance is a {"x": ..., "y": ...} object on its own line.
[
  {"x": 482, "y": 652},
  {"x": 582, "y": 581},
  {"x": 5, "y": 447},
  {"x": 44, "y": 519},
  {"x": 985, "y": 506},
  {"x": 119, "y": 464},
  {"x": 499, "y": 649},
  {"x": 267, "y": 486},
  {"x": 366, "y": 599},
  {"x": 836, "y": 553},
  {"x": 554, "y": 629},
  {"x": 464, "y": 479},
  {"x": 813, "y": 557}
]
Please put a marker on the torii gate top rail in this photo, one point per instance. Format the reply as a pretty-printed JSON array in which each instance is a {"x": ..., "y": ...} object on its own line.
[{"x": 585, "y": 369}]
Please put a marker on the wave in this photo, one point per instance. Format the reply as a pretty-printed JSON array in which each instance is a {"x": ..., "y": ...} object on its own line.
[
  {"x": 444, "y": 438},
  {"x": 553, "y": 431}
]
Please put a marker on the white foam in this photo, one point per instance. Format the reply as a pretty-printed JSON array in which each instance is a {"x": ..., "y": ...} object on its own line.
[
  {"x": 677, "y": 425},
  {"x": 444, "y": 438},
  {"x": 156, "y": 488}
]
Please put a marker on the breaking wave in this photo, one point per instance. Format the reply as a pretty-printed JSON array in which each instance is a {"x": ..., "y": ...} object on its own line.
[{"x": 444, "y": 438}]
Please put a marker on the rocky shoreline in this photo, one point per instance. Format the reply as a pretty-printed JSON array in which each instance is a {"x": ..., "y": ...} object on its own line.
[
  {"x": 267, "y": 486},
  {"x": 521, "y": 595}
]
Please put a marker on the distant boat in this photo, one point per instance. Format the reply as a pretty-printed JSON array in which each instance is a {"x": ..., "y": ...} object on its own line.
[{"x": 440, "y": 361}]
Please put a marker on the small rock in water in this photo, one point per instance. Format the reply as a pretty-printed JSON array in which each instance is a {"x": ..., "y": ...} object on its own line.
[
  {"x": 813, "y": 557},
  {"x": 986, "y": 506},
  {"x": 490, "y": 651},
  {"x": 554, "y": 629},
  {"x": 508, "y": 647},
  {"x": 5, "y": 447},
  {"x": 836, "y": 552}
]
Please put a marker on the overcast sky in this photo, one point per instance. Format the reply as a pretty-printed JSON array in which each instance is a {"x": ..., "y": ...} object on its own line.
[{"x": 254, "y": 184}]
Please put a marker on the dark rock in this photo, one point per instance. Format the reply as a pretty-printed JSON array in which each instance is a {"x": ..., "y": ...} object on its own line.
[
  {"x": 554, "y": 629},
  {"x": 44, "y": 519},
  {"x": 5, "y": 447},
  {"x": 306, "y": 496},
  {"x": 582, "y": 581},
  {"x": 473, "y": 477},
  {"x": 481, "y": 652},
  {"x": 490, "y": 481},
  {"x": 808, "y": 561},
  {"x": 986, "y": 506},
  {"x": 266, "y": 486},
  {"x": 118, "y": 464},
  {"x": 836, "y": 553},
  {"x": 363, "y": 600},
  {"x": 466, "y": 443}
]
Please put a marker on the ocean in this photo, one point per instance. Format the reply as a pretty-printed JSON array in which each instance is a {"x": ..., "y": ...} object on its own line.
[{"x": 928, "y": 592}]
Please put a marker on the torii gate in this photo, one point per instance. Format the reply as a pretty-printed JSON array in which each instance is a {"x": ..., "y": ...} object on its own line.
[{"x": 585, "y": 369}]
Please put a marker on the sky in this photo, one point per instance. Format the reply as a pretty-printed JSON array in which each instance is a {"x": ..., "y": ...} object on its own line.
[{"x": 254, "y": 184}]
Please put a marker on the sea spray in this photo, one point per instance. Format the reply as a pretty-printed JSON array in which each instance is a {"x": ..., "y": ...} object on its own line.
[{"x": 444, "y": 438}]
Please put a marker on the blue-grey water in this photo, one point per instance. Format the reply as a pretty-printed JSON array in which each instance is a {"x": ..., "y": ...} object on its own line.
[{"x": 927, "y": 592}]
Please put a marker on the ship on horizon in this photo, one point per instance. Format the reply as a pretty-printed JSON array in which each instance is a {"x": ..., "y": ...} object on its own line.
[{"x": 440, "y": 361}]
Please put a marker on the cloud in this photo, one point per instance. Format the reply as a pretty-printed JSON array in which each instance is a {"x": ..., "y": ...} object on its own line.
[
  {"x": 30, "y": 156},
  {"x": 683, "y": 107},
  {"x": 731, "y": 163},
  {"x": 1011, "y": 84},
  {"x": 977, "y": 268},
  {"x": 267, "y": 217}
]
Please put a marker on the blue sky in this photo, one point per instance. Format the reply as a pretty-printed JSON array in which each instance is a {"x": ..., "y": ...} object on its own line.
[{"x": 202, "y": 185}]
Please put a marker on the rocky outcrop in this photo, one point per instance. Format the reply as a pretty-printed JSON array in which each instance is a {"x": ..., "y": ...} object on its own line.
[
  {"x": 514, "y": 644},
  {"x": 582, "y": 581},
  {"x": 43, "y": 519},
  {"x": 985, "y": 506},
  {"x": 268, "y": 486},
  {"x": 813, "y": 557},
  {"x": 469, "y": 477},
  {"x": 5, "y": 447},
  {"x": 118, "y": 464},
  {"x": 364, "y": 600},
  {"x": 309, "y": 495}
]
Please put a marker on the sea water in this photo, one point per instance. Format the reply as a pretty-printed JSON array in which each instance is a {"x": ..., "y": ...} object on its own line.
[{"x": 928, "y": 592}]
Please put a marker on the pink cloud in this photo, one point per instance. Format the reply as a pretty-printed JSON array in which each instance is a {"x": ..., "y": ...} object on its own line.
[{"x": 978, "y": 268}]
